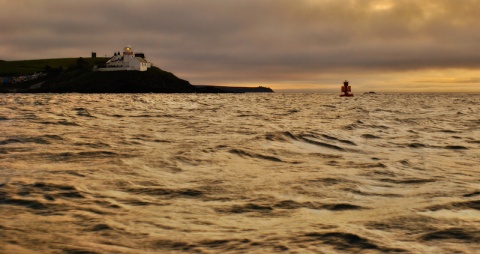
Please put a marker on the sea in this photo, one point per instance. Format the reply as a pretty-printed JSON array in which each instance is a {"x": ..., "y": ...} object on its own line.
[{"x": 239, "y": 173}]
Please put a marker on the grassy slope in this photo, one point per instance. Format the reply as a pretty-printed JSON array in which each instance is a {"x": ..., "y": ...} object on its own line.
[
  {"x": 73, "y": 78},
  {"x": 87, "y": 81},
  {"x": 17, "y": 68}
]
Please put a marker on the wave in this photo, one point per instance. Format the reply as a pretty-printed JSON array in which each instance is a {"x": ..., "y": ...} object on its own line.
[
  {"x": 370, "y": 136},
  {"x": 407, "y": 180},
  {"x": 42, "y": 140},
  {"x": 473, "y": 204},
  {"x": 37, "y": 196},
  {"x": 170, "y": 193},
  {"x": 293, "y": 173},
  {"x": 343, "y": 241},
  {"x": 473, "y": 194},
  {"x": 467, "y": 235},
  {"x": 449, "y": 147},
  {"x": 321, "y": 140},
  {"x": 83, "y": 112},
  {"x": 61, "y": 122},
  {"x": 243, "y": 153}
]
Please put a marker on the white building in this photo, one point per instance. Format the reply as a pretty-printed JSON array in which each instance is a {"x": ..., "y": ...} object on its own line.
[{"x": 128, "y": 61}]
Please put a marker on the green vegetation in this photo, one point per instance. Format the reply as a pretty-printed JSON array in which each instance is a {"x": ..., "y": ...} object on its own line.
[
  {"x": 76, "y": 75},
  {"x": 25, "y": 67},
  {"x": 82, "y": 80}
]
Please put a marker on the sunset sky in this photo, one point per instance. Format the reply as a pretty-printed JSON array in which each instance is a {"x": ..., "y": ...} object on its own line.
[{"x": 300, "y": 45}]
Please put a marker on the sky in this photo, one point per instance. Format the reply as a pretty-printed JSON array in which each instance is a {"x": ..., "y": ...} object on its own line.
[{"x": 288, "y": 45}]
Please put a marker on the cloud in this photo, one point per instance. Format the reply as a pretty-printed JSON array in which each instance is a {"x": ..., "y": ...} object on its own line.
[
  {"x": 449, "y": 80},
  {"x": 250, "y": 40}
]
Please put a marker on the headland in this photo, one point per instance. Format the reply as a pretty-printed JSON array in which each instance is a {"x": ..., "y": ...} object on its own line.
[{"x": 127, "y": 73}]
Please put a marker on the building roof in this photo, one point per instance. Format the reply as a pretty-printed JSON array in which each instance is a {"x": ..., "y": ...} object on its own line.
[{"x": 142, "y": 60}]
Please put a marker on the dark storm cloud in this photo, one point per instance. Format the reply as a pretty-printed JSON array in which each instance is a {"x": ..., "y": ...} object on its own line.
[{"x": 251, "y": 39}]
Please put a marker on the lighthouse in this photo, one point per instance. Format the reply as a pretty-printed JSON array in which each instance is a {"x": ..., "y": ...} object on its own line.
[
  {"x": 346, "y": 90},
  {"x": 129, "y": 61},
  {"x": 127, "y": 54}
]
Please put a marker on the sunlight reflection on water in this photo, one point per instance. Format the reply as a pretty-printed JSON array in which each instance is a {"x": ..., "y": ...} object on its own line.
[{"x": 241, "y": 173}]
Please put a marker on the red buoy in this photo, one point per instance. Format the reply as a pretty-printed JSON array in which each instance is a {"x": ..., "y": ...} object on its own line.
[{"x": 346, "y": 90}]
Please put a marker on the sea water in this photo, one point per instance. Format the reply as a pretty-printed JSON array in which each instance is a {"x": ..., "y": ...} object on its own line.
[{"x": 239, "y": 173}]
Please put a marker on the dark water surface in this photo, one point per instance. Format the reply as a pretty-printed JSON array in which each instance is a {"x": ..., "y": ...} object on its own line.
[{"x": 247, "y": 173}]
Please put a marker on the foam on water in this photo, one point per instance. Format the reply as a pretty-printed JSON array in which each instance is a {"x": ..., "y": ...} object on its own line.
[{"x": 244, "y": 173}]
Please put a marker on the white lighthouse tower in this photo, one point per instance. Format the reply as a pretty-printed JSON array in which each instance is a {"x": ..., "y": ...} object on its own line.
[{"x": 127, "y": 54}]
